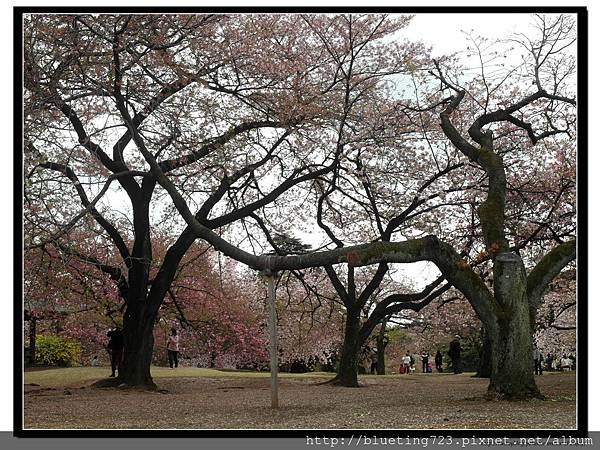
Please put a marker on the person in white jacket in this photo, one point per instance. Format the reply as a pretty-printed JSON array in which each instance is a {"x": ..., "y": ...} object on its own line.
[{"x": 406, "y": 362}]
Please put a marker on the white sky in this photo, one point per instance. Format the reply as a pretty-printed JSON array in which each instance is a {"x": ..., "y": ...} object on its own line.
[
  {"x": 434, "y": 27},
  {"x": 445, "y": 32}
]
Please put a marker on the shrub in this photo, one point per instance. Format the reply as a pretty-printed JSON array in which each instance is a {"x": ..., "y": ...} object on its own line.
[
  {"x": 56, "y": 351},
  {"x": 470, "y": 355}
]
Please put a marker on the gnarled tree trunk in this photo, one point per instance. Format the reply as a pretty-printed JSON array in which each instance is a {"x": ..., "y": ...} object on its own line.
[
  {"x": 381, "y": 344},
  {"x": 138, "y": 326},
  {"x": 32, "y": 338},
  {"x": 511, "y": 340},
  {"x": 142, "y": 308},
  {"x": 348, "y": 367},
  {"x": 484, "y": 369}
]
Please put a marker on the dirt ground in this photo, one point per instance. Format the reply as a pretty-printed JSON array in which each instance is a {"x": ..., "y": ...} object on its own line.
[{"x": 420, "y": 401}]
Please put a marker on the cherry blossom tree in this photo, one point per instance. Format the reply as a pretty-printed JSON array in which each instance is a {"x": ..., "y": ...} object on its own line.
[
  {"x": 556, "y": 321},
  {"x": 221, "y": 101},
  {"x": 231, "y": 108},
  {"x": 62, "y": 296},
  {"x": 477, "y": 116},
  {"x": 506, "y": 309}
]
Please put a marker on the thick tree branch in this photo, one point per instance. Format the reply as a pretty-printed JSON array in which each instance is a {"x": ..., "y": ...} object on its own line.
[
  {"x": 546, "y": 270},
  {"x": 338, "y": 286},
  {"x": 395, "y": 303},
  {"x": 90, "y": 209},
  {"x": 491, "y": 211},
  {"x": 114, "y": 272},
  {"x": 370, "y": 288},
  {"x": 214, "y": 144}
]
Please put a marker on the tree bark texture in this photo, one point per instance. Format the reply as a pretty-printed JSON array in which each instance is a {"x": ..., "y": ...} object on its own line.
[
  {"x": 381, "y": 344},
  {"x": 484, "y": 370},
  {"x": 32, "y": 337},
  {"x": 511, "y": 340},
  {"x": 348, "y": 367},
  {"x": 138, "y": 326}
]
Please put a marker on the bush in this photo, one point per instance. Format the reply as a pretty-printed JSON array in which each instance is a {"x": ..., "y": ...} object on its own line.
[
  {"x": 56, "y": 351},
  {"x": 470, "y": 355}
]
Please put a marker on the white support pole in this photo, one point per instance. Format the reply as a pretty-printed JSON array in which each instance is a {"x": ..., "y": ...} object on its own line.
[{"x": 273, "y": 339}]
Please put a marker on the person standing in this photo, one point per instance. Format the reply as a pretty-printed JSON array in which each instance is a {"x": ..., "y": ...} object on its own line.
[
  {"x": 438, "y": 361},
  {"x": 374, "y": 362},
  {"x": 115, "y": 347},
  {"x": 406, "y": 363},
  {"x": 537, "y": 361},
  {"x": 424, "y": 360},
  {"x": 565, "y": 363},
  {"x": 454, "y": 353},
  {"x": 173, "y": 348}
]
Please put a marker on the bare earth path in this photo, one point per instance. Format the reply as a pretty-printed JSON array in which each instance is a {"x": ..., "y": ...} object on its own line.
[{"x": 397, "y": 402}]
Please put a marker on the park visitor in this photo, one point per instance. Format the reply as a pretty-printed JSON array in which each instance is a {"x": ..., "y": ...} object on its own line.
[
  {"x": 173, "y": 348},
  {"x": 405, "y": 367},
  {"x": 115, "y": 348},
  {"x": 438, "y": 361},
  {"x": 537, "y": 361},
  {"x": 424, "y": 360},
  {"x": 565, "y": 363},
  {"x": 454, "y": 353},
  {"x": 373, "y": 362}
]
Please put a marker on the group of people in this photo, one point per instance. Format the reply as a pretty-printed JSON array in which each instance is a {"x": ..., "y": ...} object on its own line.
[
  {"x": 567, "y": 363},
  {"x": 116, "y": 346},
  {"x": 407, "y": 363},
  {"x": 549, "y": 363}
]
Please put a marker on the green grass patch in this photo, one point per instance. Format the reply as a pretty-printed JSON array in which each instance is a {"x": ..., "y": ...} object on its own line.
[
  {"x": 73, "y": 376},
  {"x": 56, "y": 377}
]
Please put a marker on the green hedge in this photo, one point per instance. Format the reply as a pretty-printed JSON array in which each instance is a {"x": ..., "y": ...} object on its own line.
[{"x": 56, "y": 351}]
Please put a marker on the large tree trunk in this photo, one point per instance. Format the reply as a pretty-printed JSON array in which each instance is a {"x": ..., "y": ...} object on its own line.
[
  {"x": 142, "y": 309},
  {"x": 142, "y": 305},
  {"x": 348, "y": 367},
  {"x": 511, "y": 340},
  {"x": 381, "y": 344},
  {"x": 484, "y": 369},
  {"x": 138, "y": 326},
  {"x": 32, "y": 337}
]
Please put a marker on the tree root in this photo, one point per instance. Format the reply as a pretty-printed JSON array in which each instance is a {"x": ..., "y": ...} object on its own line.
[
  {"x": 493, "y": 395},
  {"x": 117, "y": 383},
  {"x": 337, "y": 382}
]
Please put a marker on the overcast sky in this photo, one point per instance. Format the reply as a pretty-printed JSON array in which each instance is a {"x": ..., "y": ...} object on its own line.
[{"x": 445, "y": 32}]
